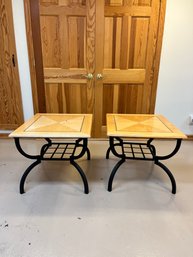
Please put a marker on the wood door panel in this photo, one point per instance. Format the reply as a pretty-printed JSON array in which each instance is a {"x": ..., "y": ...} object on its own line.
[
  {"x": 50, "y": 41},
  {"x": 142, "y": 2},
  {"x": 55, "y": 100},
  {"x": 130, "y": 98},
  {"x": 62, "y": 2},
  {"x": 121, "y": 98},
  {"x": 134, "y": 76},
  {"x": 66, "y": 98},
  {"x": 77, "y": 42},
  {"x": 128, "y": 2},
  {"x": 125, "y": 42},
  {"x": 54, "y": 42},
  {"x": 11, "y": 111},
  {"x": 138, "y": 42},
  {"x": 114, "y": 2},
  {"x": 49, "y": 2}
]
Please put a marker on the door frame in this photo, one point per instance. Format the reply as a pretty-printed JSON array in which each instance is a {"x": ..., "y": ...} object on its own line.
[
  {"x": 31, "y": 9},
  {"x": 36, "y": 62}
]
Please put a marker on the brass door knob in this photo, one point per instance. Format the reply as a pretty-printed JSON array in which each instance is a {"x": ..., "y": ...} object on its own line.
[
  {"x": 99, "y": 76},
  {"x": 88, "y": 76}
]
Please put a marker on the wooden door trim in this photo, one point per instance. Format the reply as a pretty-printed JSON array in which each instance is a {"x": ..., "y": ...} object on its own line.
[
  {"x": 35, "y": 54},
  {"x": 161, "y": 22},
  {"x": 99, "y": 51}
]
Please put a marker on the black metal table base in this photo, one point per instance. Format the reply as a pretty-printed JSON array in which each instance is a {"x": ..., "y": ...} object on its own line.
[
  {"x": 59, "y": 151},
  {"x": 138, "y": 151}
]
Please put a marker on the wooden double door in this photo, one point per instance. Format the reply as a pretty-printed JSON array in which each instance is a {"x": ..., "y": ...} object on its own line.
[{"x": 100, "y": 56}]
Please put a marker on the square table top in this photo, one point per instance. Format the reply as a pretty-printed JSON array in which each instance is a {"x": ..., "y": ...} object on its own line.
[
  {"x": 52, "y": 125},
  {"x": 142, "y": 126}
]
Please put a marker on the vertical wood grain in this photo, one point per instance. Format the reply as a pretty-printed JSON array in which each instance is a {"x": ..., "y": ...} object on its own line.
[
  {"x": 117, "y": 49},
  {"x": 158, "y": 54},
  {"x": 50, "y": 41},
  {"x": 98, "y": 108},
  {"x": 54, "y": 93},
  {"x": 72, "y": 25},
  {"x": 142, "y": 2},
  {"x": 108, "y": 42},
  {"x": 68, "y": 42},
  {"x": 151, "y": 54},
  {"x": 64, "y": 35},
  {"x": 138, "y": 42},
  {"x": 33, "y": 6},
  {"x": 90, "y": 53},
  {"x": 31, "y": 55},
  {"x": 11, "y": 112},
  {"x": 123, "y": 40}
]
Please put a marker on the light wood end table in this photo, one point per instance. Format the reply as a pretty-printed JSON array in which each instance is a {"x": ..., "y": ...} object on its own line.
[
  {"x": 125, "y": 129},
  {"x": 72, "y": 129}
]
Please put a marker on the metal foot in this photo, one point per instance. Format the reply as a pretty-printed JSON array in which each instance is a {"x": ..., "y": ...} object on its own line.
[
  {"x": 113, "y": 174},
  {"x": 86, "y": 189},
  {"x": 88, "y": 154},
  {"x": 25, "y": 174},
  {"x": 108, "y": 153},
  {"x": 170, "y": 175}
]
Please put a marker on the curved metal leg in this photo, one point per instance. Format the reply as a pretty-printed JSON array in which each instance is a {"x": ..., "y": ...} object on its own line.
[
  {"x": 86, "y": 189},
  {"x": 108, "y": 152},
  {"x": 113, "y": 174},
  {"x": 88, "y": 153},
  {"x": 170, "y": 175},
  {"x": 25, "y": 174}
]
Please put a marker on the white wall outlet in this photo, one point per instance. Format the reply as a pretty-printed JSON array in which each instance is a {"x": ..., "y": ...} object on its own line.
[{"x": 191, "y": 119}]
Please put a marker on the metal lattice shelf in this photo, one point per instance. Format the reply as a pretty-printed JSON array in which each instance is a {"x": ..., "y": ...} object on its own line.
[
  {"x": 59, "y": 151},
  {"x": 139, "y": 151}
]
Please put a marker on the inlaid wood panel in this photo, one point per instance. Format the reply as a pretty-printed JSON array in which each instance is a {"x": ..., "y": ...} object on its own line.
[
  {"x": 142, "y": 126},
  {"x": 44, "y": 125}
]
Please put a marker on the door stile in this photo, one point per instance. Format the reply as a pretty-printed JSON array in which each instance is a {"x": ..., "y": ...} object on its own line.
[
  {"x": 158, "y": 53},
  {"x": 90, "y": 57},
  {"x": 98, "y": 109},
  {"x": 151, "y": 53}
]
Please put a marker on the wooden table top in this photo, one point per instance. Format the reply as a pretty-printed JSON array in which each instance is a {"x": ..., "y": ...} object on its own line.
[
  {"x": 142, "y": 126},
  {"x": 50, "y": 125}
]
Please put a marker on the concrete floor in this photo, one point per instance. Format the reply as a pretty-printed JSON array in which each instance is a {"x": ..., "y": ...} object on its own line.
[{"x": 54, "y": 218}]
